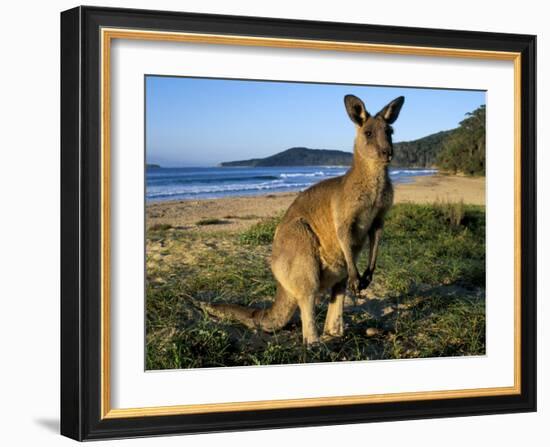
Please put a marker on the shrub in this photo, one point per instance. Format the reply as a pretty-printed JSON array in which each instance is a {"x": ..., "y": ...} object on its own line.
[
  {"x": 452, "y": 212},
  {"x": 261, "y": 233}
]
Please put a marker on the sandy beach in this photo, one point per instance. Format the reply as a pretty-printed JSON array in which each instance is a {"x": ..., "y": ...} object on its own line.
[{"x": 237, "y": 213}]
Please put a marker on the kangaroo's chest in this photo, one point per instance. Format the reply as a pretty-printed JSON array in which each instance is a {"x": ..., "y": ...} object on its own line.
[
  {"x": 373, "y": 206},
  {"x": 363, "y": 221},
  {"x": 361, "y": 226}
]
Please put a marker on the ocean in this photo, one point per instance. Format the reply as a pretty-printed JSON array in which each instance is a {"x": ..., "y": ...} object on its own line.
[{"x": 214, "y": 182}]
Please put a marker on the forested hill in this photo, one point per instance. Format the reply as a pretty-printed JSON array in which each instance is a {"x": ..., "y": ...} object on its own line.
[
  {"x": 298, "y": 156},
  {"x": 457, "y": 150},
  {"x": 418, "y": 153},
  {"x": 421, "y": 153}
]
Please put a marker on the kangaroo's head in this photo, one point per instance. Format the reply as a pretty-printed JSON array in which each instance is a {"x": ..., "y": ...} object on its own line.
[{"x": 373, "y": 140}]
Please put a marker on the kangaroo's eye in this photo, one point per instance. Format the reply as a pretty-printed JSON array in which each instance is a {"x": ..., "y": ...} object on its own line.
[{"x": 368, "y": 134}]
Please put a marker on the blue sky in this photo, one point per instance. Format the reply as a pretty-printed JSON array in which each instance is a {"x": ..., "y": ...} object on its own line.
[{"x": 201, "y": 122}]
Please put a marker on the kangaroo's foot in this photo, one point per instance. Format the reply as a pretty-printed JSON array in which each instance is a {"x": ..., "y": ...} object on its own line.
[
  {"x": 334, "y": 322},
  {"x": 309, "y": 330},
  {"x": 328, "y": 339},
  {"x": 311, "y": 341},
  {"x": 334, "y": 327},
  {"x": 333, "y": 332}
]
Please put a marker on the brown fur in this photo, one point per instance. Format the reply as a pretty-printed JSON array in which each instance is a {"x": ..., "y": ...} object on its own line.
[{"x": 319, "y": 239}]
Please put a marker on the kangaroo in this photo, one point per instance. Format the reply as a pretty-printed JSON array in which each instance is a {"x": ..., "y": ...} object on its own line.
[{"x": 317, "y": 243}]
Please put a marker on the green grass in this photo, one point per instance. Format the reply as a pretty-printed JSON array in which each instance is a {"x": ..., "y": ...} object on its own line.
[
  {"x": 426, "y": 300},
  {"x": 260, "y": 233}
]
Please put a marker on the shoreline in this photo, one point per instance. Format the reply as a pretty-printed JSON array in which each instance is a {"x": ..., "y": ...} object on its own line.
[{"x": 237, "y": 213}]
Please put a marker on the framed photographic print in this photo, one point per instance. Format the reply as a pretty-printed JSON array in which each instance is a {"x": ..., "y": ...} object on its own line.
[{"x": 276, "y": 223}]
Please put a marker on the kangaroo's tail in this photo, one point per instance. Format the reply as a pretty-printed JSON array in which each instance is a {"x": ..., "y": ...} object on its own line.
[{"x": 269, "y": 320}]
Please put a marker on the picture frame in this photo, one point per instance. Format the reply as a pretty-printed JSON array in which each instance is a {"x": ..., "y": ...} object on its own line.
[{"x": 87, "y": 34}]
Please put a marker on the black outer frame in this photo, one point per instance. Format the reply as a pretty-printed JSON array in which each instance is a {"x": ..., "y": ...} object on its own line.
[{"x": 81, "y": 206}]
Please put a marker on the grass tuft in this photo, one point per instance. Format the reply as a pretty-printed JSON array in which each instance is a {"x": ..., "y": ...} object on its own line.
[
  {"x": 260, "y": 233},
  {"x": 210, "y": 221},
  {"x": 160, "y": 227},
  {"x": 452, "y": 212}
]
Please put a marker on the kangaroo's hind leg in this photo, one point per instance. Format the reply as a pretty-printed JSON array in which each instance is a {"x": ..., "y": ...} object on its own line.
[
  {"x": 295, "y": 264},
  {"x": 334, "y": 322},
  {"x": 307, "y": 314}
]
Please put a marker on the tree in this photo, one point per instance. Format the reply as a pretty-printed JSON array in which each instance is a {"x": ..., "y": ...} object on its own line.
[{"x": 464, "y": 149}]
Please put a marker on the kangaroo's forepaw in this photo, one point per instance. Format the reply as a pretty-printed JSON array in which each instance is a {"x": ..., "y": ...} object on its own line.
[{"x": 365, "y": 280}]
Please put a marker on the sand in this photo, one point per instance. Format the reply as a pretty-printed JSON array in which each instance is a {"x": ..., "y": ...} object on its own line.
[{"x": 238, "y": 213}]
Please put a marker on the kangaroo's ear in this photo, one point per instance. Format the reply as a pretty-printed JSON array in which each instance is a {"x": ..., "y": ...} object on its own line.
[
  {"x": 391, "y": 111},
  {"x": 356, "y": 109}
]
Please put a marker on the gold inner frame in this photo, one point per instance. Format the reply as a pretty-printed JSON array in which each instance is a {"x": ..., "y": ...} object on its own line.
[{"x": 107, "y": 35}]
